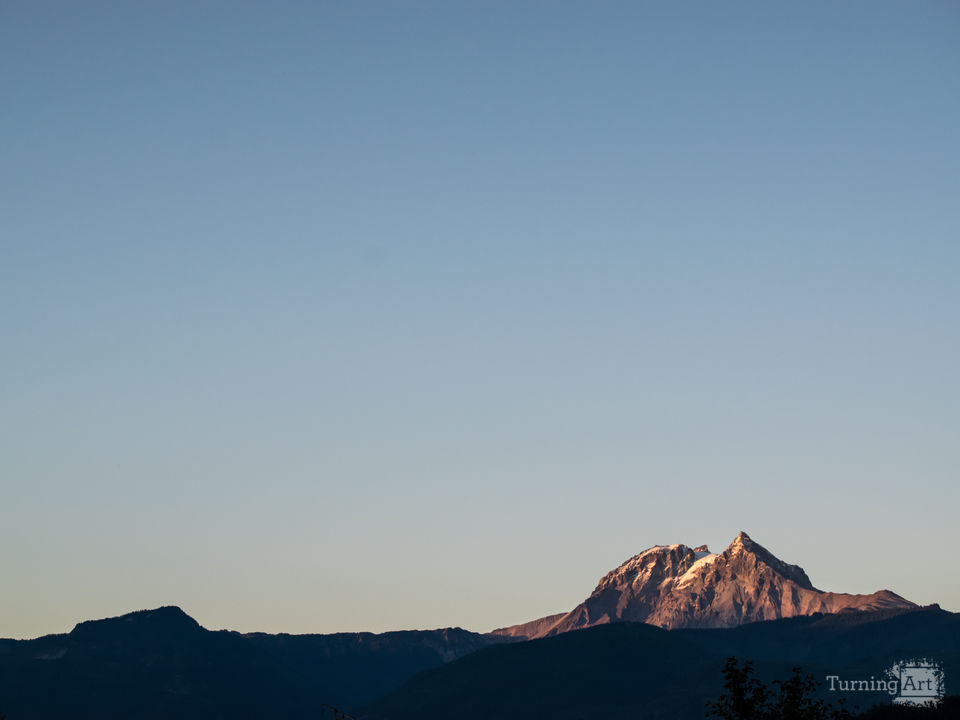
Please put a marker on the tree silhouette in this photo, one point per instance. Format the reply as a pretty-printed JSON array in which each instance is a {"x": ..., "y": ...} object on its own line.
[{"x": 746, "y": 698}]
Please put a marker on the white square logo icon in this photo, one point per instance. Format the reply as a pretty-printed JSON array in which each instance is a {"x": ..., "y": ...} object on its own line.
[{"x": 919, "y": 682}]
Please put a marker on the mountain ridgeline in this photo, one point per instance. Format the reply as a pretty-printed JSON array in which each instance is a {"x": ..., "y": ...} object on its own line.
[
  {"x": 675, "y": 586},
  {"x": 162, "y": 664},
  {"x": 626, "y": 671},
  {"x": 650, "y": 641}
]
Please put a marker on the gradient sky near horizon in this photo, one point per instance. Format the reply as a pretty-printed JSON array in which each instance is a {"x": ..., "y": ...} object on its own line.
[{"x": 366, "y": 316}]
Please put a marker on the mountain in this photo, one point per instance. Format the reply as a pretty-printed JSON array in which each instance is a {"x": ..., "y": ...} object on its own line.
[
  {"x": 624, "y": 671},
  {"x": 161, "y": 663},
  {"x": 675, "y": 586},
  {"x": 352, "y": 668},
  {"x": 649, "y": 642}
]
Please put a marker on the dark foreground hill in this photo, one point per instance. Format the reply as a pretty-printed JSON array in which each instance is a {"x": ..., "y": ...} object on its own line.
[
  {"x": 632, "y": 670},
  {"x": 163, "y": 664}
]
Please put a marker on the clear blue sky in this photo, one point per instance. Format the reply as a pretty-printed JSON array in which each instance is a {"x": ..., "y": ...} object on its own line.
[{"x": 367, "y": 316}]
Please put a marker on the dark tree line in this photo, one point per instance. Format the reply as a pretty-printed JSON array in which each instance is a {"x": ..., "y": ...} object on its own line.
[{"x": 746, "y": 698}]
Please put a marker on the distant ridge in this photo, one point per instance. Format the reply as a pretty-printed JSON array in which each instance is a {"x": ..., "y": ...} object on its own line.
[
  {"x": 626, "y": 671},
  {"x": 161, "y": 663},
  {"x": 676, "y": 586},
  {"x": 168, "y": 619}
]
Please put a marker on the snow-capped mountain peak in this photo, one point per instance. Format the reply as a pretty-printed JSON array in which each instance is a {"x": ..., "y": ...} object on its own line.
[{"x": 676, "y": 586}]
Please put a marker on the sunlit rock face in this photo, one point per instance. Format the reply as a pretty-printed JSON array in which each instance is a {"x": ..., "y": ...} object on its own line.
[{"x": 676, "y": 586}]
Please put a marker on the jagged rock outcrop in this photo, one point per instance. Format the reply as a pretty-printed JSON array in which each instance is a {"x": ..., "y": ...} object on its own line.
[{"x": 675, "y": 586}]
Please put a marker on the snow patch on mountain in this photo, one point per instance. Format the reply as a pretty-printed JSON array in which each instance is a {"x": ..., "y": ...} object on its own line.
[
  {"x": 703, "y": 560},
  {"x": 674, "y": 586}
]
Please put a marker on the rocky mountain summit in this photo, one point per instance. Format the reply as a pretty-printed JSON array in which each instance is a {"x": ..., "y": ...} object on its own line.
[{"x": 675, "y": 586}]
